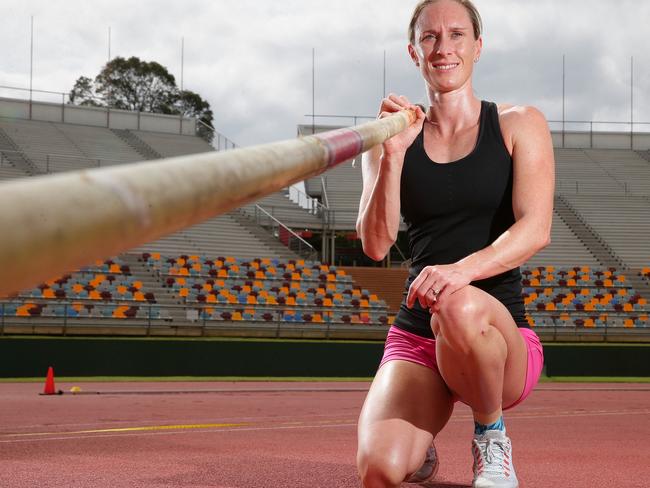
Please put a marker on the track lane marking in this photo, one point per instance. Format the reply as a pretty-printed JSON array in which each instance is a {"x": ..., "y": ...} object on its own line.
[
  {"x": 129, "y": 429},
  {"x": 217, "y": 428}
]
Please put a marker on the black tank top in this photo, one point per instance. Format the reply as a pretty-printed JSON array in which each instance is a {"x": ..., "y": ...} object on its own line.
[{"x": 455, "y": 209}]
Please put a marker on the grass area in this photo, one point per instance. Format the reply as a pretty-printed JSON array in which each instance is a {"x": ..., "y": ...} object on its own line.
[
  {"x": 107, "y": 379},
  {"x": 594, "y": 379},
  {"x": 187, "y": 338},
  {"x": 88, "y": 379}
]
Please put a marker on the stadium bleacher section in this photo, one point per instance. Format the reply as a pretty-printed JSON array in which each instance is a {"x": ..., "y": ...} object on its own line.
[{"x": 225, "y": 271}]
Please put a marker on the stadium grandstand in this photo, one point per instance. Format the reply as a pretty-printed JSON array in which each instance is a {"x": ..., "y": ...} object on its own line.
[{"x": 290, "y": 264}]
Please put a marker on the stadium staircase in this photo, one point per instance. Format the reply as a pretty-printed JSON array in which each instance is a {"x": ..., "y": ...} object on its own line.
[
  {"x": 278, "y": 249},
  {"x": 16, "y": 156},
  {"x": 585, "y": 233},
  {"x": 141, "y": 147}
]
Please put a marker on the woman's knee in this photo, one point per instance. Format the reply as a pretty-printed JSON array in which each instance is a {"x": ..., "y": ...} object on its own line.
[
  {"x": 381, "y": 469},
  {"x": 461, "y": 320}
]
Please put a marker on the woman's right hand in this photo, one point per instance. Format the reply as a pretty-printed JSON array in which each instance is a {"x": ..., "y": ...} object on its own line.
[{"x": 398, "y": 144}]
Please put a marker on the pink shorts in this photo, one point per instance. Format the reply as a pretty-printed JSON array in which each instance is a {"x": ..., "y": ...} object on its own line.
[{"x": 407, "y": 346}]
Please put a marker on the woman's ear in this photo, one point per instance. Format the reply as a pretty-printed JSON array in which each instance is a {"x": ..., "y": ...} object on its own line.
[{"x": 413, "y": 54}]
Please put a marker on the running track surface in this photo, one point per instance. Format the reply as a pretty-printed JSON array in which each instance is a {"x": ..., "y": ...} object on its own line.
[{"x": 296, "y": 435}]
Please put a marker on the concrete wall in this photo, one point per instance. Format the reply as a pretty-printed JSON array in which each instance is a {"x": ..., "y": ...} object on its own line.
[
  {"x": 639, "y": 141},
  {"x": 97, "y": 117}
]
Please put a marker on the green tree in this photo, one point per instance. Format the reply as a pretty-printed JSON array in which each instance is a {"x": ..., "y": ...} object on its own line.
[
  {"x": 190, "y": 104},
  {"x": 133, "y": 84}
]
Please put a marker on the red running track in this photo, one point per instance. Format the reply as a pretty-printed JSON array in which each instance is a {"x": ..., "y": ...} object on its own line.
[{"x": 297, "y": 435}]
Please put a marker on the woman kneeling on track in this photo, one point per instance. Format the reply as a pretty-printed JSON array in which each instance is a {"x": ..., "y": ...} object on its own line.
[{"x": 474, "y": 183}]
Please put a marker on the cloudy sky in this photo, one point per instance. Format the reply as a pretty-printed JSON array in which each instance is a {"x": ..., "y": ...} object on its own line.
[{"x": 252, "y": 59}]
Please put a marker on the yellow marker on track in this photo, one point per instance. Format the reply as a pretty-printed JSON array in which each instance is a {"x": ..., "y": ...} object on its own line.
[{"x": 133, "y": 429}]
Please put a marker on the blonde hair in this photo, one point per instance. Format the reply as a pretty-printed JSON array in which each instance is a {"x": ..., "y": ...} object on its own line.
[{"x": 474, "y": 16}]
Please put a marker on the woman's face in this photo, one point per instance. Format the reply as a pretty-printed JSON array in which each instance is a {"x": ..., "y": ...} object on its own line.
[{"x": 445, "y": 49}]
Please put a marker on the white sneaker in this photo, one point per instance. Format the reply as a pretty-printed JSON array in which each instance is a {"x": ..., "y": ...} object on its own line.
[
  {"x": 493, "y": 467},
  {"x": 428, "y": 469}
]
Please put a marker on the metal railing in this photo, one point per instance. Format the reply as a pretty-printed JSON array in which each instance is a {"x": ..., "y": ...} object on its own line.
[
  {"x": 219, "y": 141},
  {"x": 222, "y": 142},
  {"x": 151, "y": 316},
  {"x": 180, "y": 319},
  {"x": 323, "y": 185},
  {"x": 284, "y": 234},
  {"x": 51, "y": 158},
  {"x": 312, "y": 205}
]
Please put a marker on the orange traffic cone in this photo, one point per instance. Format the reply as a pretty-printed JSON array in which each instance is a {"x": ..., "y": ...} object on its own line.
[{"x": 49, "y": 383}]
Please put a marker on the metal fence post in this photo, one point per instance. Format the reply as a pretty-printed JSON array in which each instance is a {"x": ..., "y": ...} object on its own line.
[{"x": 65, "y": 318}]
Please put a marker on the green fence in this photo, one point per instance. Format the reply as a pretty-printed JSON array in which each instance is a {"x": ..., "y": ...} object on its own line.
[{"x": 31, "y": 356}]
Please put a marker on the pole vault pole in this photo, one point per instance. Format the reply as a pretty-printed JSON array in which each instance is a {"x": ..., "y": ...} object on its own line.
[{"x": 51, "y": 225}]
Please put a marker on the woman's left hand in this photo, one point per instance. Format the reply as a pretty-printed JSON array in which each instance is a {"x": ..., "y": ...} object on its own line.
[{"x": 434, "y": 283}]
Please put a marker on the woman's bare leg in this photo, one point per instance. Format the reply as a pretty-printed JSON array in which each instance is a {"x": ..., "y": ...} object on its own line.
[
  {"x": 406, "y": 407},
  {"x": 481, "y": 354}
]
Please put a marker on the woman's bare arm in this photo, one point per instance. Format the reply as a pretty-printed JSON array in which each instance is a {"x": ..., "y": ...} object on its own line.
[{"x": 381, "y": 169}]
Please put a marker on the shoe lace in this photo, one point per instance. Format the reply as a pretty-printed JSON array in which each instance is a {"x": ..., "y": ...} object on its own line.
[{"x": 493, "y": 452}]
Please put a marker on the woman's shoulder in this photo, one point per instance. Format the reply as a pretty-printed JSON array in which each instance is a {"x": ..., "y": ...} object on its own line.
[
  {"x": 518, "y": 113},
  {"x": 518, "y": 120}
]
